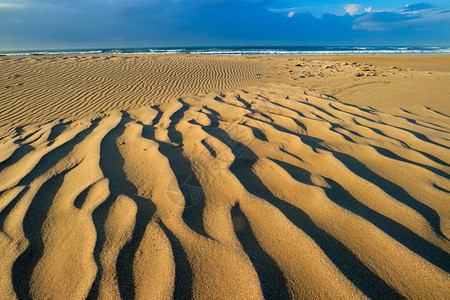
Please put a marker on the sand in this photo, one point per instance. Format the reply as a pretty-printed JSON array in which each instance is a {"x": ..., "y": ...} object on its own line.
[{"x": 206, "y": 177}]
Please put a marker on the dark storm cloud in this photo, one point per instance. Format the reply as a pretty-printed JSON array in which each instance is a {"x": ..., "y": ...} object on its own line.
[{"x": 120, "y": 23}]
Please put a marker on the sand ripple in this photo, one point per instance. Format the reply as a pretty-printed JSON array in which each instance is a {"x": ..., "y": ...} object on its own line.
[
  {"x": 271, "y": 192},
  {"x": 36, "y": 88}
]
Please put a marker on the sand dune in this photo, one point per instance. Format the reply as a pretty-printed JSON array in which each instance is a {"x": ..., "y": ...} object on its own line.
[{"x": 273, "y": 191}]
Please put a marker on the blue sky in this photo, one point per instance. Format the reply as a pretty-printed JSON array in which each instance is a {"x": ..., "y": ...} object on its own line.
[{"x": 46, "y": 24}]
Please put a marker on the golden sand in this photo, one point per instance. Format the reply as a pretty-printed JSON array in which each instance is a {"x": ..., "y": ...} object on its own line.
[{"x": 185, "y": 176}]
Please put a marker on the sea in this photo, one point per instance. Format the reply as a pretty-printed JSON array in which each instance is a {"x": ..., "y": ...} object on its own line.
[{"x": 361, "y": 50}]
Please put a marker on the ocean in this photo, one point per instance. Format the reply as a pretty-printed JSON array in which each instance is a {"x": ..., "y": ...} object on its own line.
[{"x": 243, "y": 51}]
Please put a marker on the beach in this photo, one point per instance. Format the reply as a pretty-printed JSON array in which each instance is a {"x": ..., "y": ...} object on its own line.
[{"x": 159, "y": 176}]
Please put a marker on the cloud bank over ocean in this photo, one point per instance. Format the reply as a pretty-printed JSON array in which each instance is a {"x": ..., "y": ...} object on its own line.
[{"x": 103, "y": 23}]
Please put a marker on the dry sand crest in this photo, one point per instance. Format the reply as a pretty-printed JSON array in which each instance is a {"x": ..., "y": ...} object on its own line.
[{"x": 156, "y": 177}]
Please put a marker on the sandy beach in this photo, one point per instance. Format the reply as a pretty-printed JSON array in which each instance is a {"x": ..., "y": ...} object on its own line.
[{"x": 224, "y": 177}]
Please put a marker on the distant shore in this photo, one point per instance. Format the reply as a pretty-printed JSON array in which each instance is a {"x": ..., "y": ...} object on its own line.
[{"x": 247, "y": 50}]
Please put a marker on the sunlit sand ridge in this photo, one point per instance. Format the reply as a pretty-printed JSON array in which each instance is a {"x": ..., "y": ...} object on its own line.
[{"x": 226, "y": 191}]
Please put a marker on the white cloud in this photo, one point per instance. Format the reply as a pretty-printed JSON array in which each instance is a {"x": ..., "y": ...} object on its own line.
[
  {"x": 291, "y": 14},
  {"x": 368, "y": 9},
  {"x": 317, "y": 10},
  {"x": 10, "y": 5},
  {"x": 352, "y": 9}
]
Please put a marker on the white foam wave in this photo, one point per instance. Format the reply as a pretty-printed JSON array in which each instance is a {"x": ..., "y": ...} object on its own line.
[{"x": 248, "y": 51}]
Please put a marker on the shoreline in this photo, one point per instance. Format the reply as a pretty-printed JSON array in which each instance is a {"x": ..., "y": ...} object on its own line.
[{"x": 250, "y": 50}]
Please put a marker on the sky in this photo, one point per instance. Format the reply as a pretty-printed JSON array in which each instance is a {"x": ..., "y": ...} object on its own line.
[{"x": 60, "y": 24}]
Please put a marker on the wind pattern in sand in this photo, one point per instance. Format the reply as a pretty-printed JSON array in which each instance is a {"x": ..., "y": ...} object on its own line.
[
  {"x": 275, "y": 192},
  {"x": 68, "y": 87}
]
